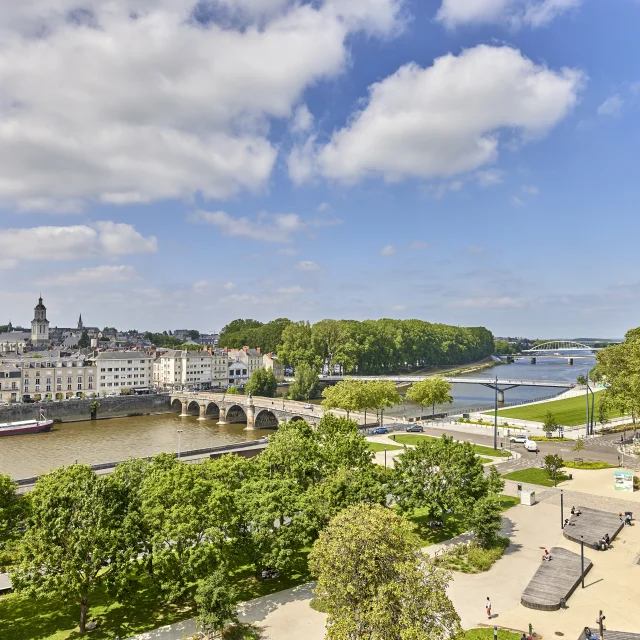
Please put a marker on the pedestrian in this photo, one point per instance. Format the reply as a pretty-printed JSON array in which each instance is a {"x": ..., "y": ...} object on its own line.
[{"x": 488, "y": 608}]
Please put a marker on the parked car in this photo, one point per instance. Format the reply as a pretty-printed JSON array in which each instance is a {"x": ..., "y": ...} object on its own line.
[
  {"x": 269, "y": 573},
  {"x": 379, "y": 430},
  {"x": 414, "y": 428},
  {"x": 111, "y": 394},
  {"x": 519, "y": 439},
  {"x": 4, "y": 404},
  {"x": 27, "y": 400},
  {"x": 308, "y": 406},
  {"x": 531, "y": 445}
]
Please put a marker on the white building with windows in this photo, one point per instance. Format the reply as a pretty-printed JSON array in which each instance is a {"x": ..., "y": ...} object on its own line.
[
  {"x": 242, "y": 363},
  {"x": 177, "y": 370},
  {"x": 118, "y": 371}
]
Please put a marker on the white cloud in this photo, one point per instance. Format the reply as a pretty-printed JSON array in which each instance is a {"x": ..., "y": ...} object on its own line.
[
  {"x": 100, "y": 239},
  {"x": 418, "y": 244},
  {"x": 290, "y": 291},
  {"x": 105, "y": 274},
  {"x": 288, "y": 252},
  {"x": 398, "y": 307},
  {"x": 515, "y": 13},
  {"x": 267, "y": 227},
  {"x": 323, "y": 207},
  {"x": 302, "y": 120},
  {"x": 442, "y": 188},
  {"x": 490, "y": 177},
  {"x": 449, "y": 118},
  {"x": 530, "y": 189},
  {"x": 207, "y": 285},
  {"x": 612, "y": 106},
  {"x": 488, "y": 302},
  {"x": 139, "y": 100},
  {"x": 308, "y": 265},
  {"x": 517, "y": 202},
  {"x": 389, "y": 250}
]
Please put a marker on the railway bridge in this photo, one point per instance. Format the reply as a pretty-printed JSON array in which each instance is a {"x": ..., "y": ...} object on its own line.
[{"x": 257, "y": 412}]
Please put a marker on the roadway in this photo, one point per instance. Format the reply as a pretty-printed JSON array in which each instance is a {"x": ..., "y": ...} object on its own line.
[{"x": 459, "y": 380}]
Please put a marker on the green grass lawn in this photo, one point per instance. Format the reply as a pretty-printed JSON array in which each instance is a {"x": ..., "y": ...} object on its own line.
[
  {"x": 487, "y": 634},
  {"x": 24, "y": 618},
  {"x": 587, "y": 465},
  {"x": 380, "y": 446},
  {"x": 535, "y": 476},
  {"x": 568, "y": 412},
  {"x": 454, "y": 524},
  {"x": 415, "y": 438}
]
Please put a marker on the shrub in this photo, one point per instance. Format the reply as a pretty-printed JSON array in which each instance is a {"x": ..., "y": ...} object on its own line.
[{"x": 636, "y": 483}]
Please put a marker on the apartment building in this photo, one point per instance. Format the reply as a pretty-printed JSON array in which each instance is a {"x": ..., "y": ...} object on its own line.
[
  {"x": 242, "y": 363},
  {"x": 270, "y": 361},
  {"x": 177, "y": 370},
  {"x": 118, "y": 371}
]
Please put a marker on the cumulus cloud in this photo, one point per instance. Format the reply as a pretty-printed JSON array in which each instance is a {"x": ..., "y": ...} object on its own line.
[
  {"x": 389, "y": 250},
  {"x": 302, "y": 120},
  {"x": 208, "y": 285},
  {"x": 130, "y": 101},
  {"x": 490, "y": 177},
  {"x": 105, "y": 274},
  {"x": 612, "y": 106},
  {"x": 278, "y": 227},
  {"x": 100, "y": 239},
  {"x": 449, "y": 118},
  {"x": 308, "y": 265},
  {"x": 530, "y": 189},
  {"x": 515, "y": 13},
  {"x": 517, "y": 202}
]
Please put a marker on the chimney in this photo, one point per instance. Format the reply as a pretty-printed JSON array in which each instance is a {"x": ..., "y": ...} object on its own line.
[
  {"x": 245, "y": 349},
  {"x": 258, "y": 350},
  {"x": 226, "y": 350}
]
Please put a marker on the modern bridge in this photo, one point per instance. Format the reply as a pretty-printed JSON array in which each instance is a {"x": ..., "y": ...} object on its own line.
[{"x": 570, "y": 351}]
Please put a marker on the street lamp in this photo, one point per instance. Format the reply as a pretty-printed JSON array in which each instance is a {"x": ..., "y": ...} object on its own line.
[
  {"x": 562, "y": 508},
  {"x": 582, "y": 558},
  {"x": 495, "y": 419},
  {"x": 179, "y": 432}
]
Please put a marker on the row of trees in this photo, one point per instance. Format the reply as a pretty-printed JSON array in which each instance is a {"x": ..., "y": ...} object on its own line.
[
  {"x": 369, "y": 347},
  {"x": 173, "y": 525}
]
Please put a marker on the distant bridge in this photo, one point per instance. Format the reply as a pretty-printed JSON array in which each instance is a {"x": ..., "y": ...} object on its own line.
[
  {"x": 560, "y": 345},
  {"x": 487, "y": 382}
]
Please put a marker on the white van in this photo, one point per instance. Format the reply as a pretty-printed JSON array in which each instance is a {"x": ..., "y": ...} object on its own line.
[{"x": 531, "y": 445}]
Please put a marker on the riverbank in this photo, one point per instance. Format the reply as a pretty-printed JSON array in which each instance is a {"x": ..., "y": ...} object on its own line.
[{"x": 80, "y": 410}]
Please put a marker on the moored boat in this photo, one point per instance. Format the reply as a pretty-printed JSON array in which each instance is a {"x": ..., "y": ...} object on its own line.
[{"x": 26, "y": 426}]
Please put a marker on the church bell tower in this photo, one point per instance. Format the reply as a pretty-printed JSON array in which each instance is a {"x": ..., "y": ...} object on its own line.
[{"x": 40, "y": 326}]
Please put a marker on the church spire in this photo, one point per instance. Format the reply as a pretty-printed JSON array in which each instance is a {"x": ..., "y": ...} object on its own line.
[{"x": 80, "y": 325}]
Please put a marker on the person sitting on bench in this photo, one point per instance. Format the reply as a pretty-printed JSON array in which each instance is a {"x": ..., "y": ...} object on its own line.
[
  {"x": 607, "y": 540},
  {"x": 546, "y": 555},
  {"x": 627, "y": 517},
  {"x": 575, "y": 513}
]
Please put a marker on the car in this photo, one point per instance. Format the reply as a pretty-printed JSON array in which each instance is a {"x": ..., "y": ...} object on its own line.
[
  {"x": 111, "y": 394},
  {"x": 4, "y": 404},
  {"x": 270, "y": 573},
  {"x": 531, "y": 445},
  {"x": 379, "y": 430},
  {"x": 27, "y": 400},
  {"x": 308, "y": 406},
  {"x": 414, "y": 428},
  {"x": 518, "y": 439}
]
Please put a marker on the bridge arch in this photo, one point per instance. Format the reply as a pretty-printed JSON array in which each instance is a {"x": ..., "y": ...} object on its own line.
[
  {"x": 266, "y": 419},
  {"x": 560, "y": 345},
  {"x": 296, "y": 419},
  {"x": 193, "y": 408},
  {"x": 176, "y": 405},
  {"x": 212, "y": 410},
  {"x": 235, "y": 413}
]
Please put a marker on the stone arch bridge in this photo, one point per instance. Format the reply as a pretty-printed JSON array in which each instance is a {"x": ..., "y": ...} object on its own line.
[{"x": 258, "y": 413}]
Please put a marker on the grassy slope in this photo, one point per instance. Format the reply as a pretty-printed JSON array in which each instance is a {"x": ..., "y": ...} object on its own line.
[
  {"x": 569, "y": 412},
  {"x": 487, "y": 634},
  {"x": 381, "y": 446}
]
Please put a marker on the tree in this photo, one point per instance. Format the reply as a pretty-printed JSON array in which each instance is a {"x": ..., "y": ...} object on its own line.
[
  {"x": 342, "y": 445},
  {"x": 581, "y": 379},
  {"x": 233, "y": 390},
  {"x": 84, "y": 341},
  {"x": 194, "y": 334},
  {"x": 495, "y": 483},
  {"x": 297, "y": 346},
  {"x": 12, "y": 512},
  {"x": 603, "y": 410},
  {"x": 550, "y": 423},
  {"x": 430, "y": 391},
  {"x": 485, "y": 520},
  {"x": 73, "y": 540},
  {"x": 578, "y": 445},
  {"x": 345, "y": 395},
  {"x": 216, "y": 602},
  {"x": 262, "y": 383},
  {"x": 375, "y": 583},
  {"x": 436, "y": 475},
  {"x": 553, "y": 463},
  {"x": 305, "y": 384}
]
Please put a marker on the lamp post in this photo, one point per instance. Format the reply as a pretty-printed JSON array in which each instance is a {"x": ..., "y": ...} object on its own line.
[
  {"x": 582, "y": 558},
  {"x": 495, "y": 419},
  {"x": 385, "y": 457},
  {"x": 586, "y": 424},
  {"x": 562, "y": 508},
  {"x": 179, "y": 432}
]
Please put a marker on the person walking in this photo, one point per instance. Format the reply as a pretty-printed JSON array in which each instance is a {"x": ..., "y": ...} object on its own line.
[{"x": 488, "y": 608}]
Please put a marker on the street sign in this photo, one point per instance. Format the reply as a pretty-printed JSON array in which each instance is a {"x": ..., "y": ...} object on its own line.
[{"x": 623, "y": 480}]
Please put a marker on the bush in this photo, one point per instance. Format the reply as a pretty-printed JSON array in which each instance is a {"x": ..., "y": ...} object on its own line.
[
  {"x": 588, "y": 465},
  {"x": 636, "y": 483},
  {"x": 473, "y": 558},
  {"x": 318, "y": 604}
]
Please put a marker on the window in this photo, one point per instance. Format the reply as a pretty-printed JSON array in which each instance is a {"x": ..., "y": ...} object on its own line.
[
  {"x": 90, "y": 378},
  {"x": 37, "y": 380},
  {"x": 129, "y": 361},
  {"x": 68, "y": 387},
  {"x": 102, "y": 377},
  {"x": 79, "y": 379},
  {"x": 59, "y": 380},
  {"x": 48, "y": 387},
  {"x": 59, "y": 387},
  {"x": 79, "y": 387},
  {"x": 69, "y": 380},
  {"x": 90, "y": 386}
]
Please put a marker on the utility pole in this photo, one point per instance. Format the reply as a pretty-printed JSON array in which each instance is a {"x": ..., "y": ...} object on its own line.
[
  {"x": 600, "y": 622},
  {"x": 582, "y": 558},
  {"x": 495, "y": 419},
  {"x": 586, "y": 423}
]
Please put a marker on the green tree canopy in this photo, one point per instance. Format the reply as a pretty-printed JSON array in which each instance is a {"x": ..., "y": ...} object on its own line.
[
  {"x": 430, "y": 391},
  {"x": 84, "y": 341},
  {"x": 485, "y": 520},
  {"x": 305, "y": 384},
  {"x": 262, "y": 383},
  {"x": 374, "y": 583},
  {"x": 73, "y": 540},
  {"x": 216, "y": 603},
  {"x": 438, "y": 474},
  {"x": 551, "y": 423}
]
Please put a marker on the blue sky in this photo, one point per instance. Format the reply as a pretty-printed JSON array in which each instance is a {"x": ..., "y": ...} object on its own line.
[{"x": 473, "y": 162}]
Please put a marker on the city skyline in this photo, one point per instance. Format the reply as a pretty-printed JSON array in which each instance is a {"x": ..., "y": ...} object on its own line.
[{"x": 385, "y": 159}]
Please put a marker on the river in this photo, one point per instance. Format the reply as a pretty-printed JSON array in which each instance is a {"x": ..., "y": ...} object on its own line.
[{"x": 117, "y": 439}]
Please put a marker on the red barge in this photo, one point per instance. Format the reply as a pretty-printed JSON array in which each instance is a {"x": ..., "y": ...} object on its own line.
[{"x": 25, "y": 426}]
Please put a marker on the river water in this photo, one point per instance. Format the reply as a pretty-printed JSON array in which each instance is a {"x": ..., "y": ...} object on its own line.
[{"x": 117, "y": 439}]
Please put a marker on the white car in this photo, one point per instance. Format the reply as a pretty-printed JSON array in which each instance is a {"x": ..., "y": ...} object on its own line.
[
  {"x": 531, "y": 445},
  {"x": 308, "y": 406},
  {"x": 519, "y": 439},
  {"x": 111, "y": 394}
]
